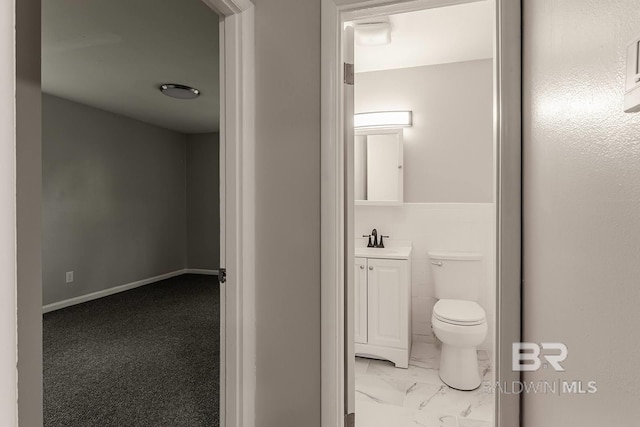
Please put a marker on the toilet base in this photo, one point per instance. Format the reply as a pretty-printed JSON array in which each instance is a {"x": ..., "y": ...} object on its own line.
[{"x": 459, "y": 367}]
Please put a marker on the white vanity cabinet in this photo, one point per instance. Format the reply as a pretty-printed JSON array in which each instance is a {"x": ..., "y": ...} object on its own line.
[
  {"x": 360, "y": 299},
  {"x": 382, "y": 314}
]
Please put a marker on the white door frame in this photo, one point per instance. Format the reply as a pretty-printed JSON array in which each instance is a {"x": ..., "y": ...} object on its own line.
[
  {"x": 20, "y": 213},
  {"x": 237, "y": 131},
  {"x": 507, "y": 134}
]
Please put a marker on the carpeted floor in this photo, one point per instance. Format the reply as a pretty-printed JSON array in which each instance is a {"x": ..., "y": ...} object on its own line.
[{"x": 145, "y": 357}]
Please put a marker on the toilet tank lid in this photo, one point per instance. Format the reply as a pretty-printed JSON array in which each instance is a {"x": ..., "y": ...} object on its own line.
[{"x": 461, "y": 256}]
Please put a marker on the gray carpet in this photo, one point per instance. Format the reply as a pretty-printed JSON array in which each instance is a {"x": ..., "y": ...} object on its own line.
[{"x": 145, "y": 357}]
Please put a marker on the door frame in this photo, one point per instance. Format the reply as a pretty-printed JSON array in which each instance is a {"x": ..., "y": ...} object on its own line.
[
  {"x": 20, "y": 212},
  {"x": 237, "y": 201},
  {"x": 507, "y": 188}
]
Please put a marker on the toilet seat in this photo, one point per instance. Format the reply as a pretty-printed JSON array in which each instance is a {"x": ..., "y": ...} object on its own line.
[{"x": 459, "y": 312}]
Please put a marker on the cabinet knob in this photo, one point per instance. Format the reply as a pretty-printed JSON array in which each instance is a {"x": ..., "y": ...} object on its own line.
[
  {"x": 362, "y": 267},
  {"x": 370, "y": 267}
]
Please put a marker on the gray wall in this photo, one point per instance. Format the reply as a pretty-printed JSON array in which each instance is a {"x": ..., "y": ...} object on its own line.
[
  {"x": 581, "y": 207},
  {"x": 114, "y": 199},
  {"x": 287, "y": 237},
  {"x": 448, "y": 152},
  {"x": 28, "y": 156},
  {"x": 203, "y": 201}
]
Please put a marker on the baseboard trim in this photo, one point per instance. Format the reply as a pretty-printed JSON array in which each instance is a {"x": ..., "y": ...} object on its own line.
[
  {"x": 201, "y": 271},
  {"x": 128, "y": 286}
]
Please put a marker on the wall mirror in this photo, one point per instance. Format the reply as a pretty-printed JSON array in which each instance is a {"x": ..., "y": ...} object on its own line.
[{"x": 378, "y": 167}]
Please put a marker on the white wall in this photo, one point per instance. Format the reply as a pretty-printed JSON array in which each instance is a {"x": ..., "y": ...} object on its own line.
[
  {"x": 448, "y": 152},
  {"x": 467, "y": 227},
  {"x": 581, "y": 207}
]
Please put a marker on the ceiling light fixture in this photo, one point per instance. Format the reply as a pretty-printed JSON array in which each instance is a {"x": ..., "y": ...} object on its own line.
[
  {"x": 383, "y": 119},
  {"x": 373, "y": 33},
  {"x": 179, "y": 91}
]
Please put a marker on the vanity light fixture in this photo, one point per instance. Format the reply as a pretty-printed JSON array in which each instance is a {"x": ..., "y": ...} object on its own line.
[
  {"x": 179, "y": 91},
  {"x": 383, "y": 119}
]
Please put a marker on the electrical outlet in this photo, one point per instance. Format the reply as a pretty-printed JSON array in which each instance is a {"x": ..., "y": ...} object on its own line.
[{"x": 69, "y": 276}]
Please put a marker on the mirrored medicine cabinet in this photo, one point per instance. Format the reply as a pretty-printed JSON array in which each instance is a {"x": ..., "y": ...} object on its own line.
[{"x": 378, "y": 167}]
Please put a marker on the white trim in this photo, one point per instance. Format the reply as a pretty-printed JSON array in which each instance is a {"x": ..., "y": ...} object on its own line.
[
  {"x": 121, "y": 288},
  {"x": 201, "y": 271},
  {"x": 360, "y": 9},
  {"x": 377, "y": 203},
  {"x": 364, "y": 131},
  {"x": 331, "y": 279},
  {"x": 508, "y": 134},
  {"x": 229, "y": 7},
  {"x": 348, "y": 219},
  {"x": 238, "y": 352},
  {"x": 116, "y": 289},
  {"x": 8, "y": 253},
  {"x": 223, "y": 227},
  {"x": 237, "y": 136},
  {"x": 508, "y": 196}
]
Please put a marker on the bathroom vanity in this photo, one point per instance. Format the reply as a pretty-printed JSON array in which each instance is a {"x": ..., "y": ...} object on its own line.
[{"x": 382, "y": 313}]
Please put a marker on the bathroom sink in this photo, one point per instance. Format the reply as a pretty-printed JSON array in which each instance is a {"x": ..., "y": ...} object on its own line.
[{"x": 400, "y": 252}]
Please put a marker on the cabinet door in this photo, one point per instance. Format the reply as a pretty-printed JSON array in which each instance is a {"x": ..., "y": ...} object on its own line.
[
  {"x": 384, "y": 166},
  {"x": 388, "y": 303},
  {"x": 360, "y": 299}
]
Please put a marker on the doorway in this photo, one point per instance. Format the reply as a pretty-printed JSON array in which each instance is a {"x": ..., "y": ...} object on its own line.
[
  {"x": 349, "y": 306},
  {"x": 423, "y": 172},
  {"x": 236, "y": 133},
  {"x": 131, "y": 215}
]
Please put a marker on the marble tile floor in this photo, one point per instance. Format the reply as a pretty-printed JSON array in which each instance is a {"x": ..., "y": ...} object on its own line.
[{"x": 387, "y": 396}]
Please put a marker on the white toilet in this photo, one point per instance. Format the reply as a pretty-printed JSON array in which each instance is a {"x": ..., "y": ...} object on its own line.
[{"x": 458, "y": 320}]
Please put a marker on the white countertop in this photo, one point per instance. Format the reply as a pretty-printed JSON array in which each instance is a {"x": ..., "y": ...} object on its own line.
[{"x": 391, "y": 252}]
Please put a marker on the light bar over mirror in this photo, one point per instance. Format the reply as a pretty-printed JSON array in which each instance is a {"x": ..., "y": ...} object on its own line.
[{"x": 383, "y": 119}]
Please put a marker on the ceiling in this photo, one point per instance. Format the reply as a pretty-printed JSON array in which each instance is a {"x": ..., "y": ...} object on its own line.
[
  {"x": 114, "y": 54},
  {"x": 433, "y": 36}
]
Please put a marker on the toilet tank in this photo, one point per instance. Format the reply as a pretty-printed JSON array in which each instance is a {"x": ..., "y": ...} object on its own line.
[{"x": 456, "y": 275}]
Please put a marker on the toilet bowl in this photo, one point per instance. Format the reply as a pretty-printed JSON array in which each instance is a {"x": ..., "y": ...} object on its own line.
[{"x": 461, "y": 326}]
